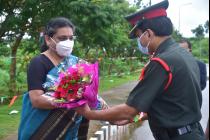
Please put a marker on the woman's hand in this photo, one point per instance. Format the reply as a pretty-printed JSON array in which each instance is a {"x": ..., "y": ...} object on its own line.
[
  {"x": 103, "y": 104},
  {"x": 84, "y": 111}
]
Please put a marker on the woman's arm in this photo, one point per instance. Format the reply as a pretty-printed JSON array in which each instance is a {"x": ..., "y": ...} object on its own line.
[
  {"x": 36, "y": 76},
  {"x": 38, "y": 101}
]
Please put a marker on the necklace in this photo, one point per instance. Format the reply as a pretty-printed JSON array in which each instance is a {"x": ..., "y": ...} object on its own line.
[{"x": 54, "y": 59}]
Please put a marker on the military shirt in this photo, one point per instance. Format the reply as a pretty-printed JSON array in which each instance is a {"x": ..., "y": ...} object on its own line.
[{"x": 180, "y": 104}]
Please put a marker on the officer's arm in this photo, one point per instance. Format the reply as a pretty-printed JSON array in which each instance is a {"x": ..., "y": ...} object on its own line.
[{"x": 119, "y": 112}]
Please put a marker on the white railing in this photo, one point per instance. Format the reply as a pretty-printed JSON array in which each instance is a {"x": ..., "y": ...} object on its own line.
[{"x": 110, "y": 132}]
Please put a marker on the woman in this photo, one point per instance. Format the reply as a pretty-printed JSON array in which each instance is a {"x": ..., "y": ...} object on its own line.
[{"x": 40, "y": 119}]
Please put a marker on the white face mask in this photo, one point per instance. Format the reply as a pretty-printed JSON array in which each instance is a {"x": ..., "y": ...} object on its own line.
[
  {"x": 64, "y": 48},
  {"x": 143, "y": 49}
]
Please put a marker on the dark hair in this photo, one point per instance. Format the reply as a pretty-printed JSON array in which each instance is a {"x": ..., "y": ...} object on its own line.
[
  {"x": 186, "y": 41},
  {"x": 52, "y": 26},
  {"x": 161, "y": 26}
]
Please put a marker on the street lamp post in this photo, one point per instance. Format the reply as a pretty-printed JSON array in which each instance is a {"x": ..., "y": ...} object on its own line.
[{"x": 186, "y": 4}]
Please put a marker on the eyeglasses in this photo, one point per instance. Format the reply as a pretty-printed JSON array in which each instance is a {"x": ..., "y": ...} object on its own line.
[{"x": 63, "y": 38}]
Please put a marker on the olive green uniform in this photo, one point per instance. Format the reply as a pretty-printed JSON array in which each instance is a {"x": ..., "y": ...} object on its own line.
[{"x": 179, "y": 105}]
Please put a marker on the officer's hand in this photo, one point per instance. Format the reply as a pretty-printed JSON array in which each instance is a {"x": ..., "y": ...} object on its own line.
[
  {"x": 120, "y": 123},
  {"x": 145, "y": 117}
]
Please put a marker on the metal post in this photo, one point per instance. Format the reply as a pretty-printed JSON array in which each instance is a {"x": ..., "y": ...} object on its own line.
[
  {"x": 99, "y": 135},
  {"x": 200, "y": 48},
  {"x": 179, "y": 19},
  {"x": 179, "y": 28}
]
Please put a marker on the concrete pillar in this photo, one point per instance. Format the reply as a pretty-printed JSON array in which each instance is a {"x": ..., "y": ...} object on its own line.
[
  {"x": 99, "y": 135},
  {"x": 93, "y": 138},
  {"x": 105, "y": 129}
]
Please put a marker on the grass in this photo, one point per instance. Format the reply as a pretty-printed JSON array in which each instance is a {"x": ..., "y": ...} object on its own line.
[
  {"x": 113, "y": 81},
  {"x": 9, "y": 123}
]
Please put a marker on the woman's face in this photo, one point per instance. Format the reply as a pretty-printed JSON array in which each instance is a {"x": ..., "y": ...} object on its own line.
[{"x": 61, "y": 34}]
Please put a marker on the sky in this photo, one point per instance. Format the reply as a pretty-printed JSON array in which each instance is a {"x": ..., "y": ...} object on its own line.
[{"x": 193, "y": 13}]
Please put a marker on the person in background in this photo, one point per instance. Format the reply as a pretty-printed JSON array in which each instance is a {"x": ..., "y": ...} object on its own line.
[
  {"x": 202, "y": 66},
  {"x": 203, "y": 73}
]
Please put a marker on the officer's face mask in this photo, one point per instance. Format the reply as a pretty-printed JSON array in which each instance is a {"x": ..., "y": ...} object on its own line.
[
  {"x": 64, "y": 48},
  {"x": 143, "y": 49}
]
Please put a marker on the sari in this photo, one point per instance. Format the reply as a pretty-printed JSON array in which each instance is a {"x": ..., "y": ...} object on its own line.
[{"x": 45, "y": 124}]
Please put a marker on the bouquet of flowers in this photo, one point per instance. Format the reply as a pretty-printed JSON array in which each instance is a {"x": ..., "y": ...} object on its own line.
[{"x": 76, "y": 86}]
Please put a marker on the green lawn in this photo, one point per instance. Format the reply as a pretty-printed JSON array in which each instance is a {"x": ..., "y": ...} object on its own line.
[
  {"x": 113, "y": 81},
  {"x": 9, "y": 123}
]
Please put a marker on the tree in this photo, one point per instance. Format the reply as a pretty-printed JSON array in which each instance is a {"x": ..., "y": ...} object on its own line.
[
  {"x": 100, "y": 24},
  {"x": 139, "y": 3},
  {"x": 17, "y": 15},
  {"x": 206, "y": 27},
  {"x": 177, "y": 35},
  {"x": 199, "y": 31}
]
